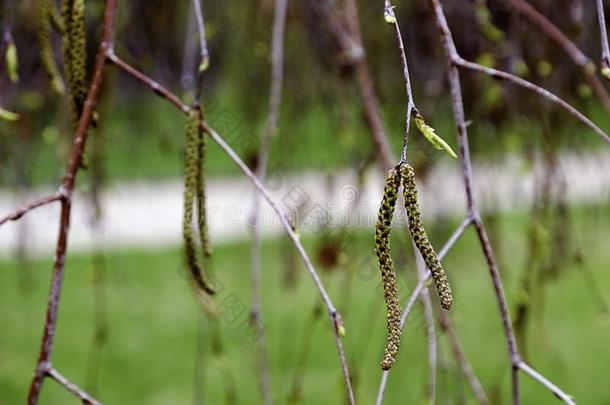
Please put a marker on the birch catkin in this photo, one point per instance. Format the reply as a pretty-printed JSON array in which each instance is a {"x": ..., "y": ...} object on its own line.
[
  {"x": 200, "y": 192},
  {"x": 75, "y": 54},
  {"x": 43, "y": 22},
  {"x": 388, "y": 275},
  {"x": 191, "y": 161},
  {"x": 420, "y": 237}
]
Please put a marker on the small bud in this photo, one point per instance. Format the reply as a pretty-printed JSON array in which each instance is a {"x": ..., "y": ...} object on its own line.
[{"x": 389, "y": 16}]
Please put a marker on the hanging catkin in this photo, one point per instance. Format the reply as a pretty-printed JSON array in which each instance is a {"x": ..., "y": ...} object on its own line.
[
  {"x": 420, "y": 237},
  {"x": 43, "y": 22},
  {"x": 75, "y": 54},
  {"x": 388, "y": 275},
  {"x": 191, "y": 163},
  {"x": 202, "y": 220}
]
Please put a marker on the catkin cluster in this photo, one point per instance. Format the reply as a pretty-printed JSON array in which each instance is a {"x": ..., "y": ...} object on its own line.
[
  {"x": 44, "y": 18},
  {"x": 200, "y": 192},
  {"x": 193, "y": 189},
  {"x": 388, "y": 274},
  {"x": 75, "y": 54},
  {"x": 420, "y": 237}
]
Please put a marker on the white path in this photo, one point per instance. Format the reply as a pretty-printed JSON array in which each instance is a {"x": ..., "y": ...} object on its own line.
[{"x": 149, "y": 214}]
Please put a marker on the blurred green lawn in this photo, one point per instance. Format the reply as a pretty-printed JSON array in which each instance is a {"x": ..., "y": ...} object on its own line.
[{"x": 153, "y": 321}]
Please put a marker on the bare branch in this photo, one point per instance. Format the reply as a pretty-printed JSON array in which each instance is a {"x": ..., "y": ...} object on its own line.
[
  {"x": 542, "y": 380},
  {"x": 603, "y": 34},
  {"x": 204, "y": 56},
  {"x": 43, "y": 364},
  {"x": 72, "y": 388},
  {"x": 498, "y": 74},
  {"x": 457, "y": 60},
  {"x": 19, "y": 212},
  {"x": 335, "y": 317},
  {"x": 389, "y": 12},
  {"x": 569, "y": 47}
]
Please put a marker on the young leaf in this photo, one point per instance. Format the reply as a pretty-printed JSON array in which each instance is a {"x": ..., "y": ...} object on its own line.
[
  {"x": 430, "y": 134},
  {"x": 8, "y": 115}
]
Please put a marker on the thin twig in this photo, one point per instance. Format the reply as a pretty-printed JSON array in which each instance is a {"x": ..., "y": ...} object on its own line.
[
  {"x": 43, "y": 364},
  {"x": 389, "y": 11},
  {"x": 72, "y": 388},
  {"x": 19, "y": 212},
  {"x": 569, "y": 47},
  {"x": 333, "y": 314},
  {"x": 277, "y": 73},
  {"x": 455, "y": 236},
  {"x": 204, "y": 56},
  {"x": 542, "y": 380},
  {"x": 603, "y": 34}
]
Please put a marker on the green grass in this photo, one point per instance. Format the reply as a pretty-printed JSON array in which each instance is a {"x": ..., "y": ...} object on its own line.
[{"x": 153, "y": 319}]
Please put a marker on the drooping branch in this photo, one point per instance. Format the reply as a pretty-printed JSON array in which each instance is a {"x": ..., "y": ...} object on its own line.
[
  {"x": 473, "y": 213},
  {"x": 21, "y": 211},
  {"x": 391, "y": 17},
  {"x": 44, "y": 365},
  {"x": 569, "y": 47},
  {"x": 334, "y": 316}
]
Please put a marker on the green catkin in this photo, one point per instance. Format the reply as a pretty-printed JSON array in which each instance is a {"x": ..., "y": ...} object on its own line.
[
  {"x": 75, "y": 54},
  {"x": 420, "y": 237},
  {"x": 191, "y": 160},
  {"x": 43, "y": 21},
  {"x": 388, "y": 274},
  {"x": 201, "y": 211}
]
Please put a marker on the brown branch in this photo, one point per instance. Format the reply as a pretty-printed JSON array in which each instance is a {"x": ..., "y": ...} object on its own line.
[
  {"x": 334, "y": 316},
  {"x": 389, "y": 12},
  {"x": 603, "y": 34},
  {"x": 43, "y": 365},
  {"x": 569, "y": 47},
  {"x": 457, "y": 60},
  {"x": 72, "y": 388},
  {"x": 460, "y": 121},
  {"x": 19, "y": 212}
]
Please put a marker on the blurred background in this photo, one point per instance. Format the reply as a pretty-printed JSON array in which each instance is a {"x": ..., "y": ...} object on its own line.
[{"x": 130, "y": 329}]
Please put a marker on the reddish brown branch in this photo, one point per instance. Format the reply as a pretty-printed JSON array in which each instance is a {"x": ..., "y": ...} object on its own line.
[
  {"x": 19, "y": 212},
  {"x": 569, "y": 47},
  {"x": 43, "y": 365}
]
